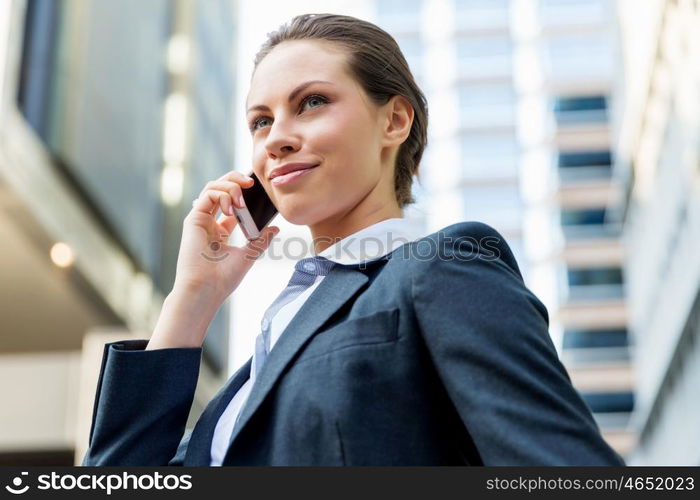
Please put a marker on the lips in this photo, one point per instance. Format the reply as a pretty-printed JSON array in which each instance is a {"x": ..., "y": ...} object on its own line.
[
  {"x": 291, "y": 167},
  {"x": 290, "y": 178}
]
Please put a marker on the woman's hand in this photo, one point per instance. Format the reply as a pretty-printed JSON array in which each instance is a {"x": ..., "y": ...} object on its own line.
[
  {"x": 208, "y": 270},
  {"x": 206, "y": 262}
]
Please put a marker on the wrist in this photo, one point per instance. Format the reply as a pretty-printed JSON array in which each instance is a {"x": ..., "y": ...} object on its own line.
[
  {"x": 184, "y": 318},
  {"x": 193, "y": 290}
]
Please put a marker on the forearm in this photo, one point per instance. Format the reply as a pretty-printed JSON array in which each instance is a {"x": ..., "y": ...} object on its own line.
[
  {"x": 142, "y": 404},
  {"x": 184, "y": 319}
]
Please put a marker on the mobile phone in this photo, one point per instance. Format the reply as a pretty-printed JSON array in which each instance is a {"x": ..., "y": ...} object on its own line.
[{"x": 259, "y": 209}]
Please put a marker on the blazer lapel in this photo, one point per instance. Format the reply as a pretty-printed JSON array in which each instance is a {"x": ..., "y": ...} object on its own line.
[
  {"x": 199, "y": 447},
  {"x": 335, "y": 290}
]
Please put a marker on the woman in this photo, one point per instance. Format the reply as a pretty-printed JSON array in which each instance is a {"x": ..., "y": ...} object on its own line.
[{"x": 431, "y": 353}]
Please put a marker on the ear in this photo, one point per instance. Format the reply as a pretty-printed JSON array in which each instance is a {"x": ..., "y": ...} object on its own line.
[{"x": 398, "y": 119}]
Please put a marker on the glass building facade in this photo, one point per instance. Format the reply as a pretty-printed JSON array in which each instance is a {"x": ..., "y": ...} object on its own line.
[
  {"x": 97, "y": 99},
  {"x": 114, "y": 116}
]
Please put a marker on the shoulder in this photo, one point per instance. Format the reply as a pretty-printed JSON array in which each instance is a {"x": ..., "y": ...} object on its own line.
[
  {"x": 464, "y": 241},
  {"x": 469, "y": 263}
]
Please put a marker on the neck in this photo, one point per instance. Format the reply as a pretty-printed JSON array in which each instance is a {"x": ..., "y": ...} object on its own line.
[{"x": 333, "y": 229}]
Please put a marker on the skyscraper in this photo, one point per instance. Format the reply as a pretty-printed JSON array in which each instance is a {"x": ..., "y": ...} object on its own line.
[{"x": 565, "y": 78}]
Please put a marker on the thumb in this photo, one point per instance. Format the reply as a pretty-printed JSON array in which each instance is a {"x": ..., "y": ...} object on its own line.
[{"x": 255, "y": 248}]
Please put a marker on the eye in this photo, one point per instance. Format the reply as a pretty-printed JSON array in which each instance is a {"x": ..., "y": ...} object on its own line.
[
  {"x": 307, "y": 100},
  {"x": 258, "y": 122},
  {"x": 313, "y": 101}
]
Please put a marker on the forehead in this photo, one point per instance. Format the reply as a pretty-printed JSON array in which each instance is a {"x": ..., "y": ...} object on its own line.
[{"x": 292, "y": 63}]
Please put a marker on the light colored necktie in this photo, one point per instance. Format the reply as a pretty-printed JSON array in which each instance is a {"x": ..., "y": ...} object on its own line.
[{"x": 305, "y": 272}]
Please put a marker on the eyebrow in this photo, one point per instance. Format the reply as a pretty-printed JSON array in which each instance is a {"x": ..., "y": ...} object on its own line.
[{"x": 292, "y": 95}]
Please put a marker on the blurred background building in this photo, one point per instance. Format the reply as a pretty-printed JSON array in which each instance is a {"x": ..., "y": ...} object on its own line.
[
  {"x": 658, "y": 164},
  {"x": 571, "y": 126},
  {"x": 461, "y": 52},
  {"x": 113, "y": 117},
  {"x": 564, "y": 76}
]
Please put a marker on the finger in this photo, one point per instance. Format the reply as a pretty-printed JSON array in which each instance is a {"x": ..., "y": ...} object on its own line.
[
  {"x": 209, "y": 202},
  {"x": 256, "y": 247},
  {"x": 233, "y": 188},
  {"x": 204, "y": 204},
  {"x": 235, "y": 195},
  {"x": 228, "y": 223},
  {"x": 222, "y": 185},
  {"x": 239, "y": 177}
]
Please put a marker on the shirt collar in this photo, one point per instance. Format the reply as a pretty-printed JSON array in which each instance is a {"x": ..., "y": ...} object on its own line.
[{"x": 373, "y": 242}]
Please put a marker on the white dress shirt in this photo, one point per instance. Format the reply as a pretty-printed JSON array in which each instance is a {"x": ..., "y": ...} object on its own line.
[{"x": 366, "y": 245}]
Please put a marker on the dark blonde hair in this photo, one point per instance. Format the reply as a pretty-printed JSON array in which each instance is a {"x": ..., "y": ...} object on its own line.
[{"x": 376, "y": 61}]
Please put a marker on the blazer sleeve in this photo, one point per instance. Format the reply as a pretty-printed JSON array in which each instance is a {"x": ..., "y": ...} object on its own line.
[
  {"x": 142, "y": 404},
  {"x": 488, "y": 338}
]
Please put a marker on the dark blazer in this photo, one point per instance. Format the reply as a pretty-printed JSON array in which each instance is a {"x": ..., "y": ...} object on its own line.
[{"x": 436, "y": 354}]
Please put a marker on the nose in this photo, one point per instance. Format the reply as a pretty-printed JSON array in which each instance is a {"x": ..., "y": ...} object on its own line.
[{"x": 281, "y": 139}]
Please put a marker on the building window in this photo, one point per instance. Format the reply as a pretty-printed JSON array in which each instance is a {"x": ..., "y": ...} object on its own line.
[
  {"x": 578, "y": 339},
  {"x": 609, "y": 402},
  {"x": 587, "y": 216},
  {"x": 482, "y": 4},
  {"x": 585, "y": 159},
  {"x": 595, "y": 276},
  {"x": 489, "y": 156},
  {"x": 482, "y": 14},
  {"x": 398, "y": 8},
  {"x": 484, "y": 57},
  {"x": 594, "y": 284},
  {"x": 39, "y": 54},
  {"x": 572, "y": 12},
  {"x": 584, "y": 165},
  {"x": 487, "y": 105},
  {"x": 580, "y": 110},
  {"x": 399, "y": 15},
  {"x": 575, "y": 56},
  {"x": 582, "y": 223},
  {"x": 498, "y": 206},
  {"x": 595, "y": 355}
]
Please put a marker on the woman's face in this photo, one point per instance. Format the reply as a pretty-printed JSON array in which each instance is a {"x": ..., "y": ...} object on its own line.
[{"x": 305, "y": 107}]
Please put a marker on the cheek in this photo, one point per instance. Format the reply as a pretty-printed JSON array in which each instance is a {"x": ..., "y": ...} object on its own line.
[
  {"x": 259, "y": 159},
  {"x": 347, "y": 126},
  {"x": 258, "y": 165},
  {"x": 258, "y": 152},
  {"x": 343, "y": 134},
  {"x": 348, "y": 146},
  {"x": 325, "y": 136}
]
